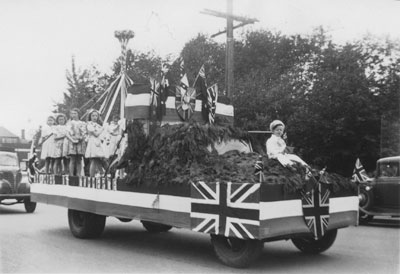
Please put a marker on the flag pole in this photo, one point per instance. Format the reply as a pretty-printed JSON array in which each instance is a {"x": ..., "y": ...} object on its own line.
[
  {"x": 198, "y": 74},
  {"x": 123, "y": 37}
]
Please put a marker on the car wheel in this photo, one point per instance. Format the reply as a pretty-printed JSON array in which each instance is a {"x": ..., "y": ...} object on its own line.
[
  {"x": 85, "y": 225},
  {"x": 29, "y": 206},
  {"x": 312, "y": 246},
  {"x": 236, "y": 252},
  {"x": 366, "y": 202}
]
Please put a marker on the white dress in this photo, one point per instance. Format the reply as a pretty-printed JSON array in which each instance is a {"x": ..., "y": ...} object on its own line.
[
  {"x": 276, "y": 150},
  {"x": 112, "y": 136},
  {"x": 60, "y": 131},
  {"x": 47, "y": 137},
  {"x": 94, "y": 147}
]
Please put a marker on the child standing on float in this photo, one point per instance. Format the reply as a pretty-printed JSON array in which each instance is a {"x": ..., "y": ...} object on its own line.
[
  {"x": 47, "y": 142},
  {"x": 276, "y": 146},
  {"x": 75, "y": 142},
  {"x": 94, "y": 151},
  {"x": 114, "y": 131},
  {"x": 60, "y": 133}
]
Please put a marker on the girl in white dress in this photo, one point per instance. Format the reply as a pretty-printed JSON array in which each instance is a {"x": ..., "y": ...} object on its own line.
[
  {"x": 47, "y": 142},
  {"x": 60, "y": 133},
  {"x": 276, "y": 146},
  {"x": 113, "y": 132},
  {"x": 95, "y": 150},
  {"x": 75, "y": 144}
]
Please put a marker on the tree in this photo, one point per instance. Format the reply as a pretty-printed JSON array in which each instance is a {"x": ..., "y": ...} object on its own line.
[{"x": 83, "y": 87}]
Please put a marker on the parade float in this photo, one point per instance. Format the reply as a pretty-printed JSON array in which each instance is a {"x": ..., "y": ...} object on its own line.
[{"x": 184, "y": 174}]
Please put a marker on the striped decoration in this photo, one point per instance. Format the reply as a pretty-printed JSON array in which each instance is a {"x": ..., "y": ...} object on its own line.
[
  {"x": 254, "y": 211},
  {"x": 137, "y": 102},
  {"x": 224, "y": 111}
]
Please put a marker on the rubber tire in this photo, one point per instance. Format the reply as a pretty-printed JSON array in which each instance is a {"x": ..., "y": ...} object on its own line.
[
  {"x": 155, "y": 227},
  {"x": 236, "y": 252},
  {"x": 85, "y": 225},
  {"x": 312, "y": 246},
  {"x": 29, "y": 206},
  {"x": 364, "y": 218}
]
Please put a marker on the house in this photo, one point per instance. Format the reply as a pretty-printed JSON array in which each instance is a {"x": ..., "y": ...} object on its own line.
[
  {"x": 10, "y": 140},
  {"x": 7, "y": 137}
]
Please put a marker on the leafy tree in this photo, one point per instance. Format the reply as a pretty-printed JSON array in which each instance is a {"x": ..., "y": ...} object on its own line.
[
  {"x": 335, "y": 99},
  {"x": 202, "y": 50},
  {"x": 84, "y": 87}
]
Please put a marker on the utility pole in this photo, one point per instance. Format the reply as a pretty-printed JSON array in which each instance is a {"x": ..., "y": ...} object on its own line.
[{"x": 229, "y": 80}]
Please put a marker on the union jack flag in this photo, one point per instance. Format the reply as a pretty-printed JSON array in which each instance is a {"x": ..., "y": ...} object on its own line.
[
  {"x": 359, "y": 173},
  {"x": 259, "y": 170},
  {"x": 212, "y": 97},
  {"x": 225, "y": 209},
  {"x": 316, "y": 210},
  {"x": 154, "y": 92},
  {"x": 184, "y": 83}
]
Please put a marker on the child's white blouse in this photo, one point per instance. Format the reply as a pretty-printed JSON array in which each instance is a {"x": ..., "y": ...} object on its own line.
[{"x": 275, "y": 146}]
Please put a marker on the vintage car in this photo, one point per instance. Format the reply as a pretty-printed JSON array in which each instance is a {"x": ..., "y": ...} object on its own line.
[
  {"x": 14, "y": 185},
  {"x": 380, "y": 196}
]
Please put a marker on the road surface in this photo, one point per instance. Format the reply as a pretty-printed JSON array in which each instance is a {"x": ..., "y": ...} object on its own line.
[{"x": 42, "y": 243}]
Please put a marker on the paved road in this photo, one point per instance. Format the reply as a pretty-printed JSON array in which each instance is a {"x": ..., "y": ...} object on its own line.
[{"x": 41, "y": 242}]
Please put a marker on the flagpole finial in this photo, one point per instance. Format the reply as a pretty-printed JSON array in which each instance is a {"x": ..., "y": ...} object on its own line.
[{"x": 123, "y": 36}]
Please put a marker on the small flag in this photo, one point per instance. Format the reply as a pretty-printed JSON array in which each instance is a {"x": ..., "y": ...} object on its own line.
[
  {"x": 185, "y": 96},
  {"x": 164, "y": 88},
  {"x": 259, "y": 170},
  {"x": 212, "y": 97},
  {"x": 359, "y": 173},
  {"x": 154, "y": 93},
  {"x": 184, "y": 82},
  {"x": 200, "y": 85}
]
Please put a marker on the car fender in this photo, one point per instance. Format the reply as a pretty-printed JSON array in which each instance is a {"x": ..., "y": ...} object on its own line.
[{"x": 5, "y": 187}]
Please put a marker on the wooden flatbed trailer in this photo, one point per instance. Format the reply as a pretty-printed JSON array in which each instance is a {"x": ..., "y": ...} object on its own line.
[{"x": 239, "y": 217}]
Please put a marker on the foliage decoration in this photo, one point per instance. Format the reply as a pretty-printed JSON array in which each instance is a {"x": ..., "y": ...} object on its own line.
[{"x": 185, "y": 153}]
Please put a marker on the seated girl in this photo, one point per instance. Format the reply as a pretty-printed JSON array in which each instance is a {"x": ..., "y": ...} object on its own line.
[{"x": 276, "y": 146}]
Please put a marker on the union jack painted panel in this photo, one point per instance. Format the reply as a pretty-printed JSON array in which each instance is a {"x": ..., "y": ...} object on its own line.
[
  {"x": 225, "y": 209},
  {"x": 316, "y": 209}
]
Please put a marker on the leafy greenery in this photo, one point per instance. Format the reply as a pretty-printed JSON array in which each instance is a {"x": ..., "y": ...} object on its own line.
[
  {"x": 84, "y": 88},
  {"x": 185, "y": 153},
  {"x": 339, "y": 102}
]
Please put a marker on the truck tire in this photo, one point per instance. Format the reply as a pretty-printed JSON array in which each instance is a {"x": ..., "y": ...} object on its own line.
[
  {"x": 155, "y": 227},
  {"x": 312, "y": 246},
  {"x": 85, "y": 225},
  {"x": 236, "y": 252},
  {"x": 29, "y": 206}
]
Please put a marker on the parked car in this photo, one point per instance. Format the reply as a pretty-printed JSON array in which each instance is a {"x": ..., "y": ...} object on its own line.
[
  {"x": 14, "y": 184},
  {"x": 380, "y": 196}
]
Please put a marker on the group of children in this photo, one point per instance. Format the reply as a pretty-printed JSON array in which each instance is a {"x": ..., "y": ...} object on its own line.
[{"x": 68, "y": 145}]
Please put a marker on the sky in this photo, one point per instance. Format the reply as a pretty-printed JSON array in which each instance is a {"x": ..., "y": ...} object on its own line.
[{"x": 39, "y": 37}]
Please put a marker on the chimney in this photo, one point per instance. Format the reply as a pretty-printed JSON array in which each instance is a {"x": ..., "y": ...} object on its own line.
[{"x": 23, "y": 134}]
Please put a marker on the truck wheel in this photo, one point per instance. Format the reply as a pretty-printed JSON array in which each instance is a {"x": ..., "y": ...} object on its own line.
[
  {"x": 236, "y": 252},
  {"x": 312, "y": 246},
  {"x": 29, "y": 206},
  {"x": 155, "y": 227},
  {"x": 85, "y": 225}
]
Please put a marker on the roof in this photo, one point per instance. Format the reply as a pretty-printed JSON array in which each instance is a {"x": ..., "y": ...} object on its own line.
[
  {"x": 389, "y": 159},
  {"x": 6, "y": 133}
]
